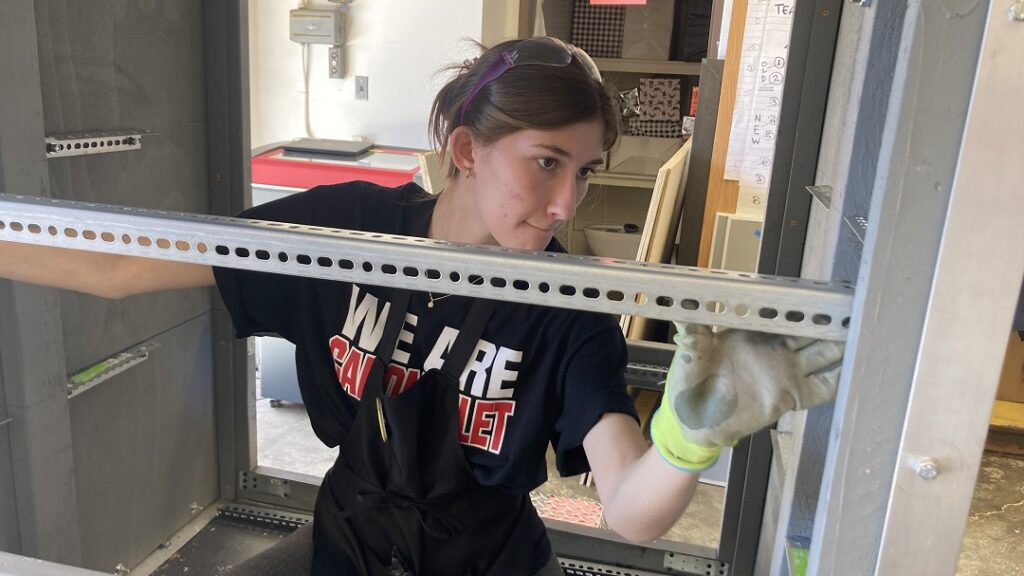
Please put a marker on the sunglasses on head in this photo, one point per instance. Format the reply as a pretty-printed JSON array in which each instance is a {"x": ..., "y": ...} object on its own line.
[{"x": 541, "y": 50}]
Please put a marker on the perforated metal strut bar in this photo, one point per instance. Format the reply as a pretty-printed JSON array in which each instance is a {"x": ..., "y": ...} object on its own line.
[{"x": 747, "y": 301}]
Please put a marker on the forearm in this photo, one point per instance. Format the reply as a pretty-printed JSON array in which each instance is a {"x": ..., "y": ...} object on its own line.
[
  {"x": 642, "y": 495},
  {"x": 649, "y": 498},
  {"x": 100, "y": 274}
]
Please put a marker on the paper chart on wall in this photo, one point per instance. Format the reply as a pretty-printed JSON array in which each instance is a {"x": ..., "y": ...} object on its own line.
[{"x": 758, "y": 101}]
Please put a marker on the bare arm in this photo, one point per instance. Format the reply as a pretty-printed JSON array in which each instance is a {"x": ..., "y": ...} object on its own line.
[
  {"x": 642, "y": 495},
  {"x": 100, "y": 274}
]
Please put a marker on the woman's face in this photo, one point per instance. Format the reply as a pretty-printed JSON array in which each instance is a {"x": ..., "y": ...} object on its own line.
[{"x": 530, "y": 182}]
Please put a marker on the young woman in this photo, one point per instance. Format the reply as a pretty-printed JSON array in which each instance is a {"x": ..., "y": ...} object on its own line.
[{"x": 444, "y": 406}]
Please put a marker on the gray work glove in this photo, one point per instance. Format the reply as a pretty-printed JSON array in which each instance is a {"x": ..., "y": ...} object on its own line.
[{"x": 727, "y": 385}]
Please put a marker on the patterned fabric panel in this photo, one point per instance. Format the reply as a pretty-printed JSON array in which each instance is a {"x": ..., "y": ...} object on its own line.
[
  {"x": 598, "y": 29},
  {"x": 659, "y": 99},
  {"x": 655, "y": 128}
]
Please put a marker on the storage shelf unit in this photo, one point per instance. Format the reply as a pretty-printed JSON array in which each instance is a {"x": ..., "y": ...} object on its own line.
[
  {"x": 634, "y": 65},
  {"x": 622, "y": 179}
]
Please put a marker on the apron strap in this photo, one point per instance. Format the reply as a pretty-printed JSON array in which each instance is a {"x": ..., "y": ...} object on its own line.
[
  {"x": 396, "y": 318},
  {"x": 469, "y": 334}
]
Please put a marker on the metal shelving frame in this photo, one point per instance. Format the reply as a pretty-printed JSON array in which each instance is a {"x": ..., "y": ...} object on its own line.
[
  {"x": 745, "y": 301},
  {"x": 945, "y": 200}
]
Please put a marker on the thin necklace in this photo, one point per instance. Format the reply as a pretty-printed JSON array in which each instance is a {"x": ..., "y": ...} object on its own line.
[{"x": 478, "y": 280}]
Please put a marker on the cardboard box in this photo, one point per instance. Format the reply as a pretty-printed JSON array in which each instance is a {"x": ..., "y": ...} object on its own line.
[{"x": 1011, "y": 383}]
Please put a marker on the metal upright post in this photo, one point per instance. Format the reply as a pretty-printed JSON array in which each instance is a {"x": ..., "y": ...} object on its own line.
[
  {"x": 916, "y": 157},
  {"x": 977, "y": 279},
  {"x": 227, "y": 98}
]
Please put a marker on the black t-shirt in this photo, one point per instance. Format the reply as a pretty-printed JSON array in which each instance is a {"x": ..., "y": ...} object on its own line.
[{"x": 539, "y": 374}]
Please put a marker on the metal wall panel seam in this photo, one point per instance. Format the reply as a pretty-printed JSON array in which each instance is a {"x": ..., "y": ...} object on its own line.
[{"x": 736, "y": 300}]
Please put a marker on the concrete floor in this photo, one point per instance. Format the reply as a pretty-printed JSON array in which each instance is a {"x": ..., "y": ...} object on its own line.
[
  {"x": 993, "y": 542},
  {"x": 994, "y": 538}
]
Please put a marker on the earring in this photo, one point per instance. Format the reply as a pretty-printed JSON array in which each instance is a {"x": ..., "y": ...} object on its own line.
[{"x": 469, "y": 173}]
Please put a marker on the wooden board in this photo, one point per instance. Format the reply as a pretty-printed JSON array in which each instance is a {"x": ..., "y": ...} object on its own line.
[
  {"x": 1006, "y": 428},
  {"x": 723, "y": 194},
  {"x": 659, "y": 230}
]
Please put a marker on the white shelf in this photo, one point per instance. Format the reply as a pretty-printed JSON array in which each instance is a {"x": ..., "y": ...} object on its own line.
[
  {"x": 621, "y": 179},
  {"x": 648, "y": 66}
]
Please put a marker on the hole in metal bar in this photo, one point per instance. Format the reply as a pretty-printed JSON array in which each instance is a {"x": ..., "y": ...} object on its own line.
[
  {"x": 664, "y": 301},
  {"x": 36, "y": 229},
  {"x": 454, "y": 276},
  {"x": 741, "y": 310},
  {"x": 282, "y": 257},
  {"x": 411, "y": 272},
  {"x": 846, "y": 322},
  {"x": 262, "y": 255},
  {"x": 182, "y": 245},
  {"x": 498, "y": 282},
  {"x": 689, "y": 304},
  {"x": 3, "y": 225},
  {"x": 592, "y": 293},
  {"x": 242, "y": 252},
  {"x": 203, "y": 249},
  {"x": 389, "y": 269},
  {"x": 715, "y": 307},
  {"x": 223, "y": 250},
  {"x": 17, "y": 226},
  {"x": 641, "y": 298},
  {"x": 345, "y": 264},
  {"x": 324, "y": 262},
  {"x": 107, "y": 237},
  {"x": 543, "y": 287},
  {"x": 367, "y": 267},
  {"x": 476, "y": 279},
  {"x": 52, "y": 230},
  {"x": 567, "y": 290},
  {"x": 145, "y": 241},
  {"x": 304, "y": 259},
  {"x": 521, "y": 285},
  {"x": 616, "y": 296},
  {"x": 768, "y": 313},
  {"x": 163, "y": 243},
  {"x": 432, "y": 274},
  {"x": 821, "y": 319},
  {"x": 795, "y": 316},
  {"x": 126, "y": 239}
]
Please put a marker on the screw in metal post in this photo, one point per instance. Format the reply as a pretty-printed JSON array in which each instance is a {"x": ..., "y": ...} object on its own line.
[
  {"x": 1017, "y": 11},
  {"x": 195, "y": 508},
  {"x": 927, "y": 468},
  {"x": 121, "y": 570}
]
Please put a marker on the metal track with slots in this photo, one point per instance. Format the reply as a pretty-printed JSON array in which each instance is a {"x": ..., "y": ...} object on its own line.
[
  {"x": 660, "y": 291},
  {"x": 266, "y": 516},
  {"x": 692, "y": 566}
]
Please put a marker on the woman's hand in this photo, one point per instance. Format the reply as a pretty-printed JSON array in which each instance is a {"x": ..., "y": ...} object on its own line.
[{"x": 727, "y": 385}]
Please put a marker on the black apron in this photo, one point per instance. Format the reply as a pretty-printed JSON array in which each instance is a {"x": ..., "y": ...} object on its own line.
[{"x": 401, "y": 499}]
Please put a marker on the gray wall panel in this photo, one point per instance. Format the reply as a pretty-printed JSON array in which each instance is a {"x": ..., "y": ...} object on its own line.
[
  {"x": 39, "y": 437},
  {"x": 10, "y": 540},
  {"x": 95, "y": 328},
  {"x": 145, "y": 448},
  {"x": 111, "y": 65},
  {"x": 144, "y": 442}
]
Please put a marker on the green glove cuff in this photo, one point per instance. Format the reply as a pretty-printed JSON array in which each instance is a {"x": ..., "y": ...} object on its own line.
[{"x": 675, "y": 449}]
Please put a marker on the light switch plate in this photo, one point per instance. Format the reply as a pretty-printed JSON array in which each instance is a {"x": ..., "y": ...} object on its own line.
[{"x": 362, "y": 87}]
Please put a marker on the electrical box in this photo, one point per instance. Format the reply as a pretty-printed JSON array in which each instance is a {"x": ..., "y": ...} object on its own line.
[{"x": 317, "y": 26}]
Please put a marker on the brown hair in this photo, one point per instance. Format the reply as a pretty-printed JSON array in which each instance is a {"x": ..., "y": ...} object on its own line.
[{"x": 530, "y": 97}]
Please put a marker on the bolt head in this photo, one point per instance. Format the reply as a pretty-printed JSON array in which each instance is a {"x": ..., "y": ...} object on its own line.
[
  {"x": 927, "y": 469},
  {"x": 1017, "y": 11}
]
